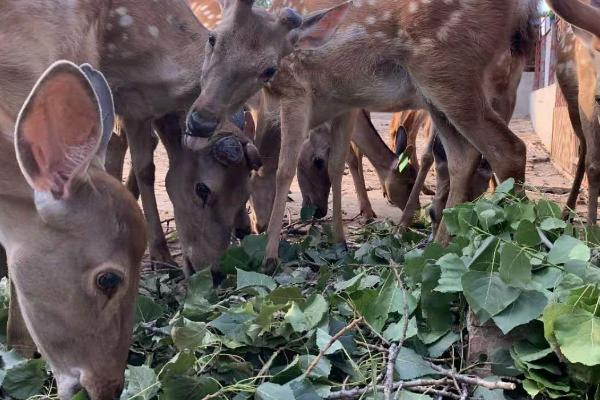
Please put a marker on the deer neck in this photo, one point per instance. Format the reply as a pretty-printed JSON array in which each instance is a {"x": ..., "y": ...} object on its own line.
[{"x": 373, "y": 147}]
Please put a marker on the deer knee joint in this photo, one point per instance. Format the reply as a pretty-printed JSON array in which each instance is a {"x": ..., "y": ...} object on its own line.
[{"x": 147, "y": 174}]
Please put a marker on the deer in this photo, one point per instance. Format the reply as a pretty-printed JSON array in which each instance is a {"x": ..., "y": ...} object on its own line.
[
  {"x": 208, "y": 12},
  {"x": 577, "y": 72},
  {"x": 415, "y": 64},
  {"x": 314, "y": 180},
  {"x": 74, "y": 236}
]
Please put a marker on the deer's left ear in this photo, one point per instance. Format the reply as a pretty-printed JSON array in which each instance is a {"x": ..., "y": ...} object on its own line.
[
  {"x": 317, "y": 28},
  {"x": 107, "y": 108}
]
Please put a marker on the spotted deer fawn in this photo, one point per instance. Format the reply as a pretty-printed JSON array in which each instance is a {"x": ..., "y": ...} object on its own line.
[{"x": 415, "y": 63}]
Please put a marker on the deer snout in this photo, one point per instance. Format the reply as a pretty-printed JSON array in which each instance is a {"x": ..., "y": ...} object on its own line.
[
  {"x": 199, "y": 125},
  {"x": 99, "y": 388},
  {"x": 597, "y": 98}
]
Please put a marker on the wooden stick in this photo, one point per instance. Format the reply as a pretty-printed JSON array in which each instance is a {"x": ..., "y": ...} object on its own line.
[
  {"x": 338, "y": 335},
  {"x": 472, "y": 380}
]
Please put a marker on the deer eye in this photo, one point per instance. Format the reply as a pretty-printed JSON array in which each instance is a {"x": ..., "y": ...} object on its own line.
[
  {"x": 212, "y": 39},
  {"x": 108, "y": 282},
  {"x": 202, "y": 191},
  {"x": 269, "y": 73}
]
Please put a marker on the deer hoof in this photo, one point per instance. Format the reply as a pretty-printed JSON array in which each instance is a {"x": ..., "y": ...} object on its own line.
[
  {"x": 270, "y": 265},
  {"x": 368, "y": 215}
]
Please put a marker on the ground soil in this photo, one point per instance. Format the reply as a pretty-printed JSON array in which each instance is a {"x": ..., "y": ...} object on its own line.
[{"x": 542, "y": 176}]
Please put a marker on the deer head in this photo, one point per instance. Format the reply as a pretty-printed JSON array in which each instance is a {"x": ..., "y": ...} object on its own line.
[
  {"x": 208, "y": 186},
  {"x": 243, "y": 55},
  {"x": 74, "y": 249}
]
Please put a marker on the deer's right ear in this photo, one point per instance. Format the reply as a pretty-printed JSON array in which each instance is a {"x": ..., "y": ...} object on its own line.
[
  {"x": 58, "y": 130},
  {"x": 401, "y": 141},
  {"x": 317, "y": 28}
]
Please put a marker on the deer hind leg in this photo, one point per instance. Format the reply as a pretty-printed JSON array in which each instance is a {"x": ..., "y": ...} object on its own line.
[
  {"x": 115, "y": 155},
  {"x": 593, "y": 170},
  {"x": 355, "y": 165},
  {"x": 294, "y": 130},
  {"x": 341, "y": 134},
  {"x": 142, "y": 143}
]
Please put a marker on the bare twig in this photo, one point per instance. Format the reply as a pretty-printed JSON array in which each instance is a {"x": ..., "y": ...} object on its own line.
[
  {"x": 389, "y": 375},
  {"x": 359, "y": 391},
  {"x": 371, "y": 346},
  {"x": 338, "y": 335},
  {"x": 465, "y": 392},
  {"x": 472, "y": 380},
  {"x": 440, "y": 393},
  {"x": 265, "y": 368}
]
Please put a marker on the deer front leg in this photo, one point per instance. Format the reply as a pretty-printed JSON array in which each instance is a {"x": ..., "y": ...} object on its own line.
[
  {"x": 294, "y": 130},
  {"x": 462, "y": 159},
  {"x": 142, "y": 144},
  {"x": 355, "y": 165},
  {"x": 413, "y": 200},
  {"x": 341, "y": 134}
]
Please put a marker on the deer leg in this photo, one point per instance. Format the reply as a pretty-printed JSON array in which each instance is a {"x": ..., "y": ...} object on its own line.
[
  {"x": 342, "y": 128},
  {"x": 413, "y": 200},
  {"x": 142, "y": 144},
  {"x": 355, "y": 165},
  {"x": 462, "y": 160},
  {"x": 115, "y": 155},
  {"x": 294, "y": 130},
  {"x": 593, "y": 171}
]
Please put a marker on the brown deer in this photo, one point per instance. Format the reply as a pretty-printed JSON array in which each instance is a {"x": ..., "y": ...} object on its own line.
[
  {"x": 577, "y": 71},
  {"x": 208, "y": 12},
  {"x": 74, "y": 235},
  {"x": 314, "y": 180},
  {"x": 411, "y": 56}
]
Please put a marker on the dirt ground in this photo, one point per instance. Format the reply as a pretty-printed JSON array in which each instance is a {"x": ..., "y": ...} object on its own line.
[{"x": 541, "y": 175}]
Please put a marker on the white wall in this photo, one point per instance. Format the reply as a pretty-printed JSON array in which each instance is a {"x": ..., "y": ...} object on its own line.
[
  {"x": 542, "y": 113},
  {"x": 522, "y": 108}
]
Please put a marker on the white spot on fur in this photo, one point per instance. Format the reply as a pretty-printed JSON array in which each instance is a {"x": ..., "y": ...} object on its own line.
[
  {"x": 154, "y": 32},
  {"x": 370, "y": 20},
  {"x": 413, "y": 7}
]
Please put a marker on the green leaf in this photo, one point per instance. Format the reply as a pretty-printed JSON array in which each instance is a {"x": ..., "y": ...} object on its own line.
[
  {"x": 578, "y": 335},
  {"x": 486, "y": 256},
  {"x": 568, "y": 248},
  {"x": 25, "y": 379},
  {"x": 410, "y": 365},
  {"x": 200, "y": 292},
  {"x": 180, "y": 364},
  {"x": 188, "y": 388},
  {"x": 439, "y": 347},
  {"x": 393, "y": 333},
  {"x": 81, "y": 395},
  {"x": 546, "y": 208},
  {"x": 234, "y": 326},
  {"x": 486, "y": 291},
  {"x": 284, "y": 295},
  {"x": 321, "y": 370},
  {"x": 307, "y": 318},
  {"x": 453, "y": 268},
  {"x": 272, "y": 391},
  {"x": 189, "y": 336},
  {"x": 146, "y": 310},
  {"x": 435, "y": 306},
  {"x": 527, "y": 234},
  {"x": 528, "y": 306},
  {"x": 527, "y": 352},
  {"x": 552, "y": 223},
  {"x": 254, "y": 246},
  {"x": 142, "y": 383},
  {"x": 515, "y": 268},
  {"x": 254, "y": 279},
  {"x": 234, "y": 258},
  {"x": 323, "y": 338}
]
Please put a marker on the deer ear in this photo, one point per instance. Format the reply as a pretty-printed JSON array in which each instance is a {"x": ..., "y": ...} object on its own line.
[
  {"x": 317, "y": 28},
  {"x": 107, "y": 108},
  {"x": 58, "y": 130},
  {"x": 401, "y": 141}
]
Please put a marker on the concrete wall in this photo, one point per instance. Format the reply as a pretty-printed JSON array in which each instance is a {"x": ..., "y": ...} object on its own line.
[
  {"x": 522, "y": 108},
  {"x": 542, "y": 113}
]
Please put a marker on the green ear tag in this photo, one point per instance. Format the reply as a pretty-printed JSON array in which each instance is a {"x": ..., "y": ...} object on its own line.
[{"x": 402, "y": 162}]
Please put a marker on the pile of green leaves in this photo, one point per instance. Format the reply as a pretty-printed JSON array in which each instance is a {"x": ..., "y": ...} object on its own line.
[{"x": 516, "y": 265}]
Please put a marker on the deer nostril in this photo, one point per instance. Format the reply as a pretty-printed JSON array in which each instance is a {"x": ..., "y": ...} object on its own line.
[
  {"x": 201, "y": 126},
  {"x": 597, "y": 98}
]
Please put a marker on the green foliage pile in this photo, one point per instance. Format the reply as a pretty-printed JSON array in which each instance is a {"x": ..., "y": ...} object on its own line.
[{"x": 515, "y": 264}]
